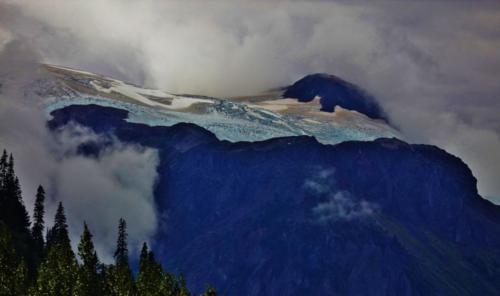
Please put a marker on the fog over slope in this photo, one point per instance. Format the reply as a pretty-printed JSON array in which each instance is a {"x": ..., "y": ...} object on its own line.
[
  {"x": 434, "y": 66},
  {"x": 100, "y": 190}
]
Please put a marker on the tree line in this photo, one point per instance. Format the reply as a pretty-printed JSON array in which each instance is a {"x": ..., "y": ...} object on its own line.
[{"x": 32, "y": 263}]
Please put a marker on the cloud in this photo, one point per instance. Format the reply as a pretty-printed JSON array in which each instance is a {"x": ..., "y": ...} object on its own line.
[
  {"x": 117, "y": 183},
  {"x": 100, "y": 189},
  {"x": 218, "y": 47},
  {"x": 335, "y": 205},
  {"x": 434, "y": 65},
  {"x": 342, "y": 206},
  {"x": 319, "y": 184}
]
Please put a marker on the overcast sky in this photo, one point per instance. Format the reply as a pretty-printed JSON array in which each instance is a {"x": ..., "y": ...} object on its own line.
[{"x": 433, "y": 65}]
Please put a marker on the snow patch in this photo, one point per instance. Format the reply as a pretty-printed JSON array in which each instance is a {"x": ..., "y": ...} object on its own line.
[{"x": 139, "y": 94}]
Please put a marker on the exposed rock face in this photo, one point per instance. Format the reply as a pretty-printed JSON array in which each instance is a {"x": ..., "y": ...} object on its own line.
[
  {"x": 291, "y": 216},
  {"x": 334, "y": 91}
]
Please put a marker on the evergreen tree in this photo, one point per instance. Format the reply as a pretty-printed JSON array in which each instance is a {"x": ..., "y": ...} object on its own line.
[
  {"x": 121, "y": 253},
  {"x": 10, "y": 174},
  {"x": 119, "y": 281},
  {"x": 59, "y": 235},
  {"x": 3, "y": 193},
  {"x": 13, "y": 271},
  {"x": 12, "y": 210},
  {"x": 38, "y": 223},
  {"x": 169, "y": 285},
  {"x": 3, "y": 167},
  {"x": 150, "y": 274},
  {"x": 143, "y": 257},
  {"x": 57, "y": 275},
  {"x": 10, "y": 178},
  {"x": 183, "y": 290},
  {"x": 22, "y": 218},
  {"x": 13, "y": 213},
  {"x": 3, "y": 173},
  {"x": 209, "y": 291},
  {"x": 89, "y": 281},
  {"x": 48, "y": 239}
]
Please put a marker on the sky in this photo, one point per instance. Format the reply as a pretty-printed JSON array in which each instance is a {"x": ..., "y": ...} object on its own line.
[{"x": 433, "y": 65}]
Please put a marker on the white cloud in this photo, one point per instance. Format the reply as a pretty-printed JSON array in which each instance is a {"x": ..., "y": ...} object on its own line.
[
  {"x": 342, "y": 206},
  {"x": 339, "y": 205},
  {"x": 216, "y": 47},
  {"x": 118, "y": 183}
]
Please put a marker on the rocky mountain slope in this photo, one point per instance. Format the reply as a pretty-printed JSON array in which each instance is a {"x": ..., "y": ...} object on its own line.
[{"x": 292, "y": 216}]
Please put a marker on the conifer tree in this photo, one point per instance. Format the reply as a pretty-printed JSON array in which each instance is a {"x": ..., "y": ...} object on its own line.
[
  {"x": 143, "y": 257},
  {"x": 58, "y": 234},
  {"x": 13, "y": 213},
  {"x": 22, "y": 218},
  {"x": 10, "y": 178},
  {"x": 169, "y": 285},
  {"x": 183, "y": 290},
  {"x": 13, "y": 271},
  {"x": 38, "y": 223},
  {"x": 3, "y": 167},
  {"x": 121, "y": 253},
  {"x": 89, "y": 281},
  {"x": 12, "y": 210},
  {"x": 3, "y": 193},
  {"x": 119, "y": 281},
  {"x": 10, "y": 174},
  {"x": 3, "y": 173},
  {"x": 57, "y": 275},
  {"x": 150, "y": 275},
  {"x": 209, "y": 291}
]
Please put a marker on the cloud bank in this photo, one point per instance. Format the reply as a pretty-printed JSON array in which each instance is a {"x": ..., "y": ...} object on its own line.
[
  {"x": 117, "y": 183},
  {"x": 433, "y": 65}
]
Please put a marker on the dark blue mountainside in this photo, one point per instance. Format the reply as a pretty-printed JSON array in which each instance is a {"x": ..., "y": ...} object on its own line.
[
  {"x": 334, "y": 91},
  {"x": 291, "y": 216}
]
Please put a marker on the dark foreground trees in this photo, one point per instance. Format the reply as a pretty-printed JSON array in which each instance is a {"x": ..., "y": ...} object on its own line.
[
  {"x": 33, "y": 265},
  {"x": 89, "y": 279},
  {"x": 13, "y": 271}
]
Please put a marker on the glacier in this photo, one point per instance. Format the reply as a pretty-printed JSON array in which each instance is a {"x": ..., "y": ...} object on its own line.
[{"x": 234, "y": 121}]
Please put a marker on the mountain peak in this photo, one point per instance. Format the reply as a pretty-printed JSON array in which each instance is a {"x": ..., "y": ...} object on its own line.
[{"x": 334, "y": 91}]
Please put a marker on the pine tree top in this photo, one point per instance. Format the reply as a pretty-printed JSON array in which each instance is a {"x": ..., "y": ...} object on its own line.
[
  {"x": 38, "y": 221},
  {"x": 121, "y": 253},
  {"x": 143, "y": 258},
  {"x": 40, "y": 191},
  {"x": 39, "y": 209},
  {"x": 86, "y": 250},
  {"x": 3, "y": 159},
  {"x": 11, "y": 160},
  {"x": 59, "y": 232},
  {"x": 60, "y": 218}
]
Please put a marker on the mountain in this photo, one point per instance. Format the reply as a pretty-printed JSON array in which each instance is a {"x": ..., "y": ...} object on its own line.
[
  {"x": 292, "y": 216},
  {"x": 307, "y": 190}
]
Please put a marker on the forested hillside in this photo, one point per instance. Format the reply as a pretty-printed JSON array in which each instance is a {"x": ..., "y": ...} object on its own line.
[{"x": 34, "y": 261}]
